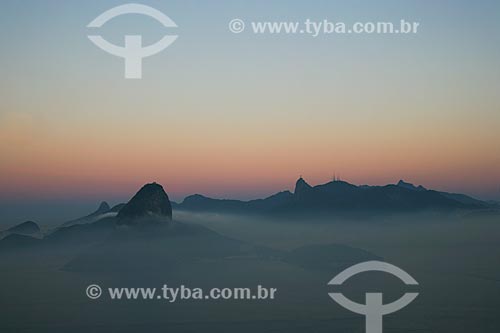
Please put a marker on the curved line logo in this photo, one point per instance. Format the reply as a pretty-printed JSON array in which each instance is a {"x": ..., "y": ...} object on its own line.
[
  {"x": 133, "y": 52},
  {"x": 374, "y": 309}
]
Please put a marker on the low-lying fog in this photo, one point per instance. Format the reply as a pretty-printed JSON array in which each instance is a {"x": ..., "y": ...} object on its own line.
[{"x": 455, "y": 260}]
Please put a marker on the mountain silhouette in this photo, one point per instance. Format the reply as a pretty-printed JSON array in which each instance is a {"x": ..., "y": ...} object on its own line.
[
  {"x": 340, "y": 197},
  {"x": 25, "y": 228},
  {"x": 28, "y": 228},
  {"x": 92, "y": 217},
  {"x": 103, "y": 244},
  {"x": 168, "y": 247},
  {"x": 150, "y": 204},
  {"x": 301, "y": 188},
  {"x": 410, "y": 186},
  {"x": 199, "y": 202}
]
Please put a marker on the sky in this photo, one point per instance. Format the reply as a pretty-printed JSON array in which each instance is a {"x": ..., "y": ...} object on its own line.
[{"x": 243, "y": 115}]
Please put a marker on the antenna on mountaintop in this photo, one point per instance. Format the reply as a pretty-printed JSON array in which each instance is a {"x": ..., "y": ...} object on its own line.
[{"x": 336, "y": 177}]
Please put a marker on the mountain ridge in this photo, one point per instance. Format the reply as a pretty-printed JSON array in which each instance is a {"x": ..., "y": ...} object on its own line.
[{"x": 339, "y": 196}]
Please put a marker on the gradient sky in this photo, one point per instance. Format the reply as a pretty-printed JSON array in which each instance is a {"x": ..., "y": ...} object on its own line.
[{"x": 244, "y": 115}]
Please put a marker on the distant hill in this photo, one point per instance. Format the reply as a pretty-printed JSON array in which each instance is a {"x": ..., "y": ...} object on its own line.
[
  {"x": 199, "y": 202},
  {"x": 340, "y": 197},
  {"x": 28, "y": 228},
  {"x": 102, "y": 211}
]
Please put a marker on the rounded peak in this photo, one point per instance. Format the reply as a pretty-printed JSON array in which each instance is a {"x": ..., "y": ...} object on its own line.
[
  {"x": 151, "y": 199},
  {"x": 301, "y": 185},
  {"x": 196, "y": 196},
  {"x": 154, "y": 186},
  {"x": 29, "y": 224},
  {"x": 25, "y": 227}
]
